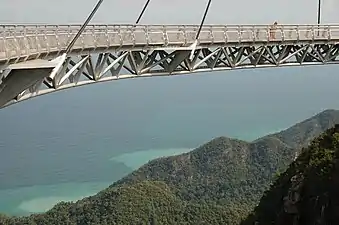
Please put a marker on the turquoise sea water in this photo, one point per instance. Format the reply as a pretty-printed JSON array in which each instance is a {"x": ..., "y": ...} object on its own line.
[
  {"x": 34, "y": 199},
  {"x": 136, "y": 159},
  {"x": 71, "y": 144}
]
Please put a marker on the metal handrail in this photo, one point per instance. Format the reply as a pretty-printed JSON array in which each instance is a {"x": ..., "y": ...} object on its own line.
[
  {"x": 13, "y": 38},
  {"x": 150, "y": 27},
  {"x": 137, "y": 27}
]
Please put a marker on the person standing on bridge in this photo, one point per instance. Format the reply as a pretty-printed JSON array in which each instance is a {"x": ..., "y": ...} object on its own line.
[{"x": 273, "y": 29}]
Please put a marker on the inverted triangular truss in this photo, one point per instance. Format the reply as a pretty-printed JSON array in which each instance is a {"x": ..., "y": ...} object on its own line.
[{"x": 87, "y": 69}]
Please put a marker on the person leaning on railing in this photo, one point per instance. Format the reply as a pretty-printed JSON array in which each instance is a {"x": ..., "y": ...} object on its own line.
[{"x": 273, "y": 29}]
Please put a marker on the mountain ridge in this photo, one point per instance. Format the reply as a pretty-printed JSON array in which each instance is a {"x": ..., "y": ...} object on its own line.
[
  {"x": 225, "y": 174},
  {"x": 307, "y": 192},
  {"x": 222, "y": 168}
]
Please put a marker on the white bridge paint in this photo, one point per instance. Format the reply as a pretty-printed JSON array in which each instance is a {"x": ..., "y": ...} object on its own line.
[
  {"x": 22, "y": 42},
  {"x": 29, "y": 53}
]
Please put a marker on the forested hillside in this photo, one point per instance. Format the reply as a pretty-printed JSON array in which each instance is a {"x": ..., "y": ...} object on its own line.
[
  {"x": 308, "y": 192},
  {"x": 218, "y": 183},
  {"x": 151, "y": 203},
  {"x": 233, "y": 172}
]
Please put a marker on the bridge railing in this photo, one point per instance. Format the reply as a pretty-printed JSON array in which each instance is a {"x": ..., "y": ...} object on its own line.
[{"x": 17, "y": 40}]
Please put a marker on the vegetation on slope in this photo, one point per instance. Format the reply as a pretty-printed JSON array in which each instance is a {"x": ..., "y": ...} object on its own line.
[
  {"x": 231, "y": 172},
  {"x": 143, "y": 203},
  {"x": 308, "y": 192},
  {"x": 221, "y": 180}
]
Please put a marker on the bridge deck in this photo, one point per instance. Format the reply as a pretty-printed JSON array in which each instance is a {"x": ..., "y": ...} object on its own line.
[{"x": 24, "y": 42}]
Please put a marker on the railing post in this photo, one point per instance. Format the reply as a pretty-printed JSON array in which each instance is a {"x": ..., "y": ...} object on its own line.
[
  {"x": 146, "y": 34},
  {"x": 58, "y": 38},
  {"x": 268, "y": 33},
  {"x": 15, "y": 37},
  {"x": 165, "y": 35},
  {"x": 5, "y": 42},
  {"x": 225, "y": 34},
  {"x": 308, "y": 32},
  {"x": 46, "y": 40},
  {"x": 282, "y": 33},
  {"x": 83, "y": 39},
  {"x": 253, "y": 33},
  {"x": 211, "y": 35},
  {"x": 94, "y": 37},
  {"x": 133, "y": 35},
  {"x": 120, "y": 36},
  {"x": 69, "y": 33},
  {"x": 184, "y": 34},
  {"x": 27, "y": 44},
  {"x": 107, "y": 36},
  {"x": 239, "y": 34},
  {"x": 37, "y": 39}
]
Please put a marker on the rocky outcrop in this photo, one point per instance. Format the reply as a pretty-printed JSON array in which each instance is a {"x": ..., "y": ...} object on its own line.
[{"x": 308, "y": 192}]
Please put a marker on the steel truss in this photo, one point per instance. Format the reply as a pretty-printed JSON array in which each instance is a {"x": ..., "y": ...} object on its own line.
[{"x": 89, "y": 69}]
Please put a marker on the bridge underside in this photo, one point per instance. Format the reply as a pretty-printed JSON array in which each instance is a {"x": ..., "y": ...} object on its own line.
[{"x": 23, "y": 82}]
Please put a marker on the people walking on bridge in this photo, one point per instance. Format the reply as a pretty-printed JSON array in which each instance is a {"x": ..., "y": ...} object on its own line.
[{"x": 273, "y": 29}]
